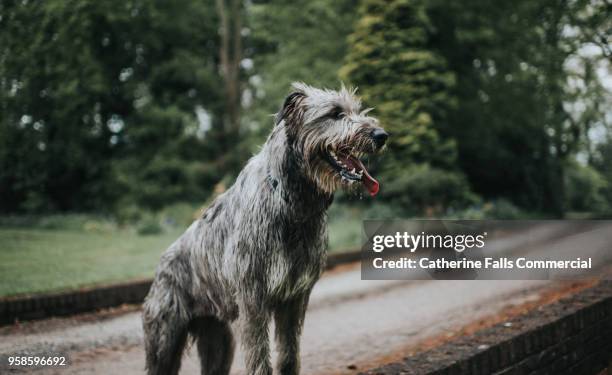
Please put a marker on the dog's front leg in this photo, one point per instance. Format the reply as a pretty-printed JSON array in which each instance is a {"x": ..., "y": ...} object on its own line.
[
  {"x": 254, "y": 337},
  {"x": 288, "y": 321}
]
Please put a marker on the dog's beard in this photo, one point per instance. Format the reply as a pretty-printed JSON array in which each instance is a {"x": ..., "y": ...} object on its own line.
[
  {"x": 323, "y": 177},
  {"x": 332, "y": 159}
]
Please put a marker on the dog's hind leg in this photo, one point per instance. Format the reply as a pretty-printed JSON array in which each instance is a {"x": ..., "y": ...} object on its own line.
[
  {"x": 165, "y": 332},
  {"x": 215, "y": 345},
  {"x": 164, "y": 344}
]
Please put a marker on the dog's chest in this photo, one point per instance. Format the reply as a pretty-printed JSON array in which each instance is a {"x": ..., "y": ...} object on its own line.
[
  {"x": 288, "y": 278},
  {"x": 297, "y": 261}
]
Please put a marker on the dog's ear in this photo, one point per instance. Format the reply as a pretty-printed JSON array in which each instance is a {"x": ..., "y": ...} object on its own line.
[{"x": 290, "y": 111}]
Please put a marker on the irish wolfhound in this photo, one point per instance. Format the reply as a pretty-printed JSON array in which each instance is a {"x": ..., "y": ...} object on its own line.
[{"x": 259, "y": 248}]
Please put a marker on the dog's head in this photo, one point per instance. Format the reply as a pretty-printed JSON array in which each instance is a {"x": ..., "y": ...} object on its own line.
[{"x": 330, "y": 133}]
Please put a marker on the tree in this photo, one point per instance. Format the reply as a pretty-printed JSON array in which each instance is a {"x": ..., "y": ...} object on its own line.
[
  {"x": 514, "y": 130},
  {"x": 409, "y": 84},
  {"x": 95, "y": 95},
  {"x": 230, "y": 56},
  {"x": 602, "y": 163},
  {"x": 288, "y": 45}
]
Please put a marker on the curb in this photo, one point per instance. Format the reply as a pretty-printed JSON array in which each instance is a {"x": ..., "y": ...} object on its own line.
[
  {"x": 40, "y": 306},
  {"x": 570, "y": 336}
]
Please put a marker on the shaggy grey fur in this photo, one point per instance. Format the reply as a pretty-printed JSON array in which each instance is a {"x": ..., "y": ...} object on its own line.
[{"x": 259, "y": 248}]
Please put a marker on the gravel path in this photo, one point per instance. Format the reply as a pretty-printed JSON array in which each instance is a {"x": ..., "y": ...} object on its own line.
[{"x": 349, "y": 322}]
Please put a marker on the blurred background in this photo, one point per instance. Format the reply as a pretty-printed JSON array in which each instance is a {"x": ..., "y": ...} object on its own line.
[{"x": 121, "y": 119}]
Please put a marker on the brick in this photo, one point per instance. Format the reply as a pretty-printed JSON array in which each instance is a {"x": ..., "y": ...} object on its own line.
[{"x": 571, "y": 336}]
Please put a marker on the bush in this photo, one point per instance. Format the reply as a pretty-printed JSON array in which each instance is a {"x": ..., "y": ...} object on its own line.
[
  {"x": 74, "y": 222},
  {"x": 503, "y": 209},
  {"x": 177, "y": 215},
  {"x": 422, "y": 189},
  {"x": 585, "y": 189},
  {"x": 500, "y": 209},
  {"x": 129, "y": 213},
  {"x": 161, "y": 182},
  {"x": 383, "y": 211},
  {"x": 149, "y": 226}
]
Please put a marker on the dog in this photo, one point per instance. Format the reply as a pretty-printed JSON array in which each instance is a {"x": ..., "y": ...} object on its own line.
[{"x": 258, "y": 249}]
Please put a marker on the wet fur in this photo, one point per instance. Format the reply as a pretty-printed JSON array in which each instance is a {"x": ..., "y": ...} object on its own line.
[{"x": 259, "y": 248}]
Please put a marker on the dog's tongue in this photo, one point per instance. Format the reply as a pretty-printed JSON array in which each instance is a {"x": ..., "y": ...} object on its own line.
[{"x": 368, "y": 181}]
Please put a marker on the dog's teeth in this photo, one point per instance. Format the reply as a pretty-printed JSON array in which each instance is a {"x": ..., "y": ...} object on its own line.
[{"x": 353, "y": 171}]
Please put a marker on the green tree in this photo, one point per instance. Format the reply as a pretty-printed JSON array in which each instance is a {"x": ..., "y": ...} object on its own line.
[
  {"x": 514, "y": 130},
  {"x": 602, "y": 163},
  {"x": 96, "y": 95},
  {"x": 398, "y": 73},
  {"x": 586, "y": 189},
  {"x": 303, "y": 40},
  {"x": 230, "y": 56},
  {"x": 410, "y": 86},
  {"x": 497, "y": 123}
]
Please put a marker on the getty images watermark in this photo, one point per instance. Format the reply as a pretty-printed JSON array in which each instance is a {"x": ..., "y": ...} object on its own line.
[{"x": 486, "y": 249}]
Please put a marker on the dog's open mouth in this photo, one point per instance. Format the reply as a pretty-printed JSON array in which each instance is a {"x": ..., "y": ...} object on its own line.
[{"x": 351, "y": 169}]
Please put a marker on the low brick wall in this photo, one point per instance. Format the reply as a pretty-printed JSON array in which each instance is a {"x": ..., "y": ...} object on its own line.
[
  {"x": 572, "y": 336},
  {"x": 99, "y": 297},
  {"x": 73, "y": 302}
]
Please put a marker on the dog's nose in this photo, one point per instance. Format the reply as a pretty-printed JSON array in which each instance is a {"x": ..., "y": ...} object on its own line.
[{"x": 380, "y": 136}]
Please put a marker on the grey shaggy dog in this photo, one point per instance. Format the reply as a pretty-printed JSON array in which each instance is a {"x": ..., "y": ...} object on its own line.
[{"x": 259, "y": 248}]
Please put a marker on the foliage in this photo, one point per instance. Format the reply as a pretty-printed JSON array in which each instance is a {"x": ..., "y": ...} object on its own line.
[
  {"x": 67, "y": 222},
  {"x": 149, "y": 225},
  {"x": 425, "y": 189},
  {"x": 407, "y": 82},
  {"x": 513, "y": 60},
  {"x": 125, "y": 108},
  {"x": 304, "y": 40},
  {"x": 92, "y": 89},
  {"x": 500, "y": 209},
  {"x": 586, "y": 189},
  {"x": 602, "y": 162},
  {"x": 487, "y": 82}
]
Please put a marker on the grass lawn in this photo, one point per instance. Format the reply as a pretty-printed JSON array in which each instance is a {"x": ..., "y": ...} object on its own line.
[
  {"x": 35, "y": 259},
  {"x": 345, "y": 234}
]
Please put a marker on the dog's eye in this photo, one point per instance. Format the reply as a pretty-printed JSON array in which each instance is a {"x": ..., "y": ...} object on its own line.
[{"x": 336, "y": 113}]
